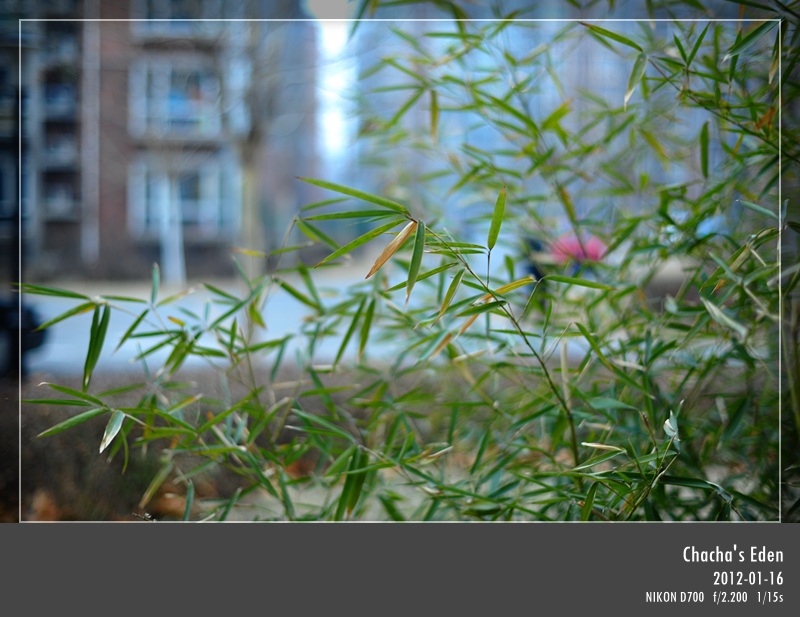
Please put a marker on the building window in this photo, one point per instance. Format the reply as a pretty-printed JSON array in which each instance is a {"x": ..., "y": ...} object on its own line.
[
  {"x": 174, "y": 100},
  {"x": 176, "y": 18},
  {"x": 202, "y": 198}
]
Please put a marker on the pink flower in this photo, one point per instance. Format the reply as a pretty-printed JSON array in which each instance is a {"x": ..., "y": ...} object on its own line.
[{"x": 568, "y": 248}]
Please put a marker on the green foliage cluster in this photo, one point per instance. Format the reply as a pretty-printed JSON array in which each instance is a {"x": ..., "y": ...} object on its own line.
[{"x": 462, "y": 386}]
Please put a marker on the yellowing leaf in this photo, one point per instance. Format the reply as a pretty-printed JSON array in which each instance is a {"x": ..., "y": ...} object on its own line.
[{"x": 392, "y": 247}]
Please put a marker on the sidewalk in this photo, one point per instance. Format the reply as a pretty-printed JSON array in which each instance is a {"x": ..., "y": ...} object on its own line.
[{"x": 65, "y": 346}]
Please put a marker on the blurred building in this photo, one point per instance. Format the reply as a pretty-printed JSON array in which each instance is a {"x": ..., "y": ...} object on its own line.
[{"x": 161, "y": 131}]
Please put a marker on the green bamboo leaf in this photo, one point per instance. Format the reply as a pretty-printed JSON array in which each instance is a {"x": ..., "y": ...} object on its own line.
[
  {"x": 416, "y": 258},
  {"x": 298, "y": 295},
  {"x": 718, "y": 315},
  {"x": 112, "y": 428},
  {"x": 359, "y": 476},
  {"x": 320, "y": 204},
  {"x": 347, "y": 489},
  {"x": 749, "y": 40},
  {"x": 482, "y": 308},
  {"x": 497, "y": 219},
  {"x": 679, "y": 45},
  {"x": 408, "y": 104},
  {"x": 588, "y": 504},
  {"x": 40, "y": 290},
  {"x": 759, "y": 209},
  {"x": 346, "y": 190},
  {"x": 155, "y": 484},
  {"x": 352, "y": 214},
  {"x": 704, "y": 149},
  {"x": 330, "y": 428},
  {"x": 569, "y": 280},
  {"x": 131, "y": 329},
  {"x": 341, "y": 461},
  {"x": 365, "y": 328},
  {"x": 189, "y": 501},
  {"x": 370, "y": 235},
  {"x": 696, "y": 47},
  {"x": 592, "y": 340},
  {"x": 611, "y": 35},
  {"x": 97, "y": 336},
  {"x": 423, "y": 276},
  {"x": 315, "y": 234},
  {"x": 55, "y": 401},
  {"x": 605, "y": 403},
  {"x": 597, "y": 460},
  {"x": 639, "y": 68},
  {"x": 552, "y": 121},
  {"x": 525, "y": 118},
  {"x": 348, "y": 335},
  {"x": 84, "y": 396},
  {"x": 78, "y": 310},
  {"x": 73, "y": 421},
  {"x": 451, "y": 292}
]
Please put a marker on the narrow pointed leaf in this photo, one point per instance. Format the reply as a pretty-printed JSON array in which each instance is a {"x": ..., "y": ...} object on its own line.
[
  {"x": 156, "y": 483},
  {"x": 588, "y": 504},
  {"x": 360, "y": 474},
  {"x": 392, "y": 247},
  {"x": 187, "y": 511},
  {"x": 679, "y": 45},
  {"x": 73, "y": 421},
  {"x": 697, "y": 44},
  {"x": 750, "y": 39},
  {"x": 315, "y": 234},
  {"x": 576, "y": 281},
  {"x": 370, "y": 235},
  {"x": 298, "y": 295},
  {"x": 40, "y": 290},
  {"x": 348, "y": 335},
  {"x": 704, "y": 149},
  {"x": 97, "y": 336},
  {"x": 112, "y": 428},
  {"x": 718, "y": 315},
  {"x": 611, "y": 35},
  {"x": 78, "y": 310},
  {"x": 84, "y": 396},
  {"x": 497, "y": 219},
  {"x": 416, "y": 258},
  {"x": 351, "y": 214},
  {"x": 759, "y": 209},
  {"x": 482, "y": 308},
  {"x": 346, "y": 190},
  {"x": 637, "y": 73},
  {"x": 423, "y": 276},
  {"x": 365, "y": 329},
  {"x": 451, "y": 292}
]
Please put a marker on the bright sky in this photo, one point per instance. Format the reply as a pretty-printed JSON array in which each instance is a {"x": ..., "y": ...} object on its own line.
[{"x": 336, "y": 73}]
